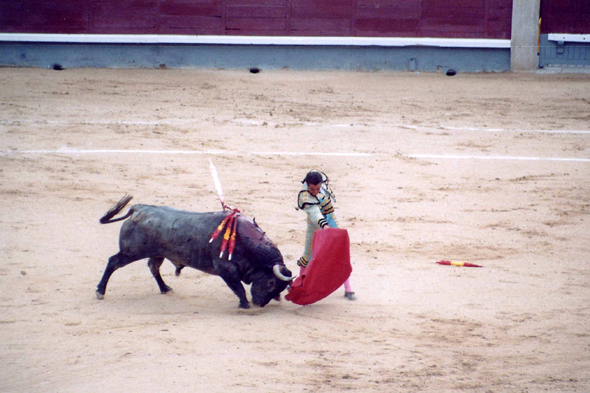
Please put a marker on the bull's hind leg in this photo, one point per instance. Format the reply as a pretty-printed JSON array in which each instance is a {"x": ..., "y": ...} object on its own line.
[
  {"x": 154, "y": 264},
  {"x": 117, "y": 261}
]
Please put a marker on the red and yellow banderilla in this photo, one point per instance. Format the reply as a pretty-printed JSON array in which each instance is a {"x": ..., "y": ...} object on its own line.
[
  {"x": 232, "y": 240},
  {"x": 230, "y": 224},
  {"x": 227, "y": 234},
  {"x": 455, "y": 263},
  {"x": 220, "y": 227}
]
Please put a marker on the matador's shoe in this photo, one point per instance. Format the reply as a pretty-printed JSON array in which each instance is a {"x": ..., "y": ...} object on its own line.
[{"x": 350, "y": 295}]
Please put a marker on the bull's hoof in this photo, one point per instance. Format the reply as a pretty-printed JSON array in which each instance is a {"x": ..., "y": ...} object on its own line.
[
  {"x": 245, "y": 306},
  {"x": 99, "y": 296},
  {"x": 255, "y": 310},
  {"x": 165, "y": 290}
]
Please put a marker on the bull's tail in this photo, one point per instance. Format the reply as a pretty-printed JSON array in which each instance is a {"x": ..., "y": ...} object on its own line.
[{"x": 113, "y": 211}]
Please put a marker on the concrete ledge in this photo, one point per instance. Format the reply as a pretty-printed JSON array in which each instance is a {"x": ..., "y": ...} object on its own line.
[
  {"x": 254, "y": 40},
  {"x": 570, "y": 37}
]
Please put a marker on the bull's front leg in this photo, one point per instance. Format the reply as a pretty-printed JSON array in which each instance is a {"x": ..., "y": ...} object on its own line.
[{"x": 229, "y": 273}]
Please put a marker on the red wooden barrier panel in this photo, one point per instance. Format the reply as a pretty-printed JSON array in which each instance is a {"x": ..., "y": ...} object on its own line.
[
  {"x": 565, "y": 16},
  {"x": 371, "y": 18}
]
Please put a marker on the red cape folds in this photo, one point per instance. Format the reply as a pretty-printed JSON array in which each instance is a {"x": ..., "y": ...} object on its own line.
[{"x": 328, "y": 269}]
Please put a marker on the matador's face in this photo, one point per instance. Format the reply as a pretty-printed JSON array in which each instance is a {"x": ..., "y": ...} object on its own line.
[{"x": 314, "y": 189}]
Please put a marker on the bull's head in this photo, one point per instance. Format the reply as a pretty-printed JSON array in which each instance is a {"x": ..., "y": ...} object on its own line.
[
  {"x": 269, "y": 275},
  {"x": 267, "y": 285}
]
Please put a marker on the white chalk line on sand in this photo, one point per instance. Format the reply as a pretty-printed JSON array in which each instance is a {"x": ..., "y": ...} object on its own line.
[
  {"x": 188, "y": 152},
  {"x": 251, "y": 122},
  {"x": 286, "y": 153},
  {"x": 455, "y": 157}
]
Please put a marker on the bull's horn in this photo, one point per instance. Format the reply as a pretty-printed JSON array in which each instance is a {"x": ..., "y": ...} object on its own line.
[{"x": 277, "y": 271}]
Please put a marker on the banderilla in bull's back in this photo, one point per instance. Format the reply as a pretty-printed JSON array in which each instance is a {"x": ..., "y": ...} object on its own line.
[
  {"x": 229, "y": 223},
  {"x": 192, "y": 239}
]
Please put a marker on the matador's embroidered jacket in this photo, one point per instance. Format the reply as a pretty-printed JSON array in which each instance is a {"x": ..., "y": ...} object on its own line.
[{"x": 320, "y": 213}]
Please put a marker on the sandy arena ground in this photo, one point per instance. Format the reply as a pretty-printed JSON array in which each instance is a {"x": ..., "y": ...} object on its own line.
[{"x": 405, "y": 154}]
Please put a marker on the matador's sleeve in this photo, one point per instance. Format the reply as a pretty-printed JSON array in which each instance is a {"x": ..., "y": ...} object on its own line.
[
  {"x": 327, "y": 209},
  {"x": 311, "y": 206}
]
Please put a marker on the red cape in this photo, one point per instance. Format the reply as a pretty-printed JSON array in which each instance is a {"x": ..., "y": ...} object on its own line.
[{"x": 328, "y": 269}]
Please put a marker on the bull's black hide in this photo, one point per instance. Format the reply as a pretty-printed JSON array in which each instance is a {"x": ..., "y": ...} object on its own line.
[{"x": 182, "y": 237}]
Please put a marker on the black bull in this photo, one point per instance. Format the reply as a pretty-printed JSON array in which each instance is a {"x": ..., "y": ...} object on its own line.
[{"x": 182, "y": 237}]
